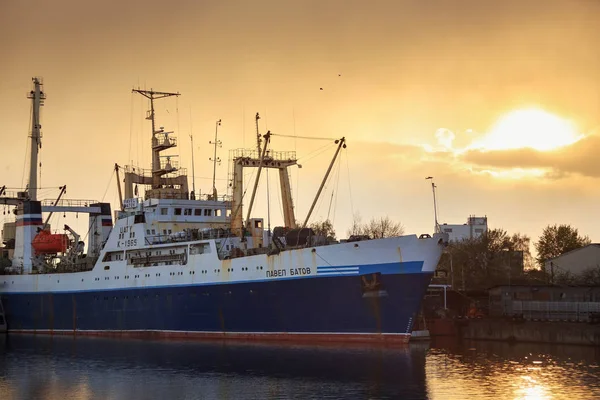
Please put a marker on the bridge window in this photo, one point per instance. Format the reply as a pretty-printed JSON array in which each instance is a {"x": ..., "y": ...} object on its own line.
[
  {"x": 187, "y": 211},
  {"x": 207, "y": 212},
  {"x": 178, "y": 211},
  {"x": 218, "y": 212},
  {"x": 198, "y": 211},
  {"x": 164, "y": 211}
]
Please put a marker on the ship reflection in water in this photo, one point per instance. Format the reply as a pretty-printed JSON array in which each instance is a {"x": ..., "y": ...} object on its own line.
[{"x": 86, "y": 368}]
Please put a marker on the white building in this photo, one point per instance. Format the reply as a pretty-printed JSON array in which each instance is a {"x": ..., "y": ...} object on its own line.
[
  {"x": 475, "y": 227},
  {"x": 575, "y": 261}
]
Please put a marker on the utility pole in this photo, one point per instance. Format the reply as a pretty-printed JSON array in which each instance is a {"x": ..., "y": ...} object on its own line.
[{"x": 215, "y": 159}]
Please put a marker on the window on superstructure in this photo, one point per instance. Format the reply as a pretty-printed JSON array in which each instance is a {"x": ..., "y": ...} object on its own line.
[
  {"x": 153, "y": 231},
  {"x": 448, "y": 230},
  {"x": 164, "y": 231},
  {"x": 229, "y": 213},
  {"x": 187, "y": 211},
  {"x": 164, "y": 211},
  {"x": 198, "y": 211},
  {"x": 199, "y": 248},
  {"x": 218, "y": 212},
  {"x": 147, "y": 231},
  {"x": 207, "y": 212},
  {"x": 178, "y": 211},
  {"x": 169, "y": 231}
]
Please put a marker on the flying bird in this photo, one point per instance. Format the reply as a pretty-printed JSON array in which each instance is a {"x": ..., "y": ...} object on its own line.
[{"x": 320, "y": 88}]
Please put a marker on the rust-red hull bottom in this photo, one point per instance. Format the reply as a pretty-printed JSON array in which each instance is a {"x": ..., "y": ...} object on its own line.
[{"x": 292, "y": 338}]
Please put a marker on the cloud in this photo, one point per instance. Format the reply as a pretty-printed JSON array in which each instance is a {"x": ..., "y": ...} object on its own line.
[{"x": 579, "y": 158}]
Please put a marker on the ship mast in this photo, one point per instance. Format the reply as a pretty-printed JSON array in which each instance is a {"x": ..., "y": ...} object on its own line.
[
  {"x": 37, "y": 97},
  {"x": 258, "y": 139},
  {"x": 433, "y": 187},
  {"x": 156, "y": 149},
  {"x": 215, "y": 159}
]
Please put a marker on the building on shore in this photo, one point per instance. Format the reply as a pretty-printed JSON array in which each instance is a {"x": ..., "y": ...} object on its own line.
[
  {"x": 575, "y": 262},
  {"x": 545, "y": 302},
  {"x": 475, "y": 227}
]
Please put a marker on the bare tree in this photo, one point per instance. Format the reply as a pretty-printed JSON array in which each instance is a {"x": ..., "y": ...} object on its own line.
[
  {"x": 376, "y": 228},
  {"x": 379, "y": 228},
  {"x": 357, "y": 227},
  {"x": 324, "y": 228}
]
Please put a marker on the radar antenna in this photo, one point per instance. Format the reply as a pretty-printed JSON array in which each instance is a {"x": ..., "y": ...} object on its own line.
[{"x": 153, "y": 95}]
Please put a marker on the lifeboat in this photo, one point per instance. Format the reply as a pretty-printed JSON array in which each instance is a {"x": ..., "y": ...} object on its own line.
[{"x": 48, "y": 243}]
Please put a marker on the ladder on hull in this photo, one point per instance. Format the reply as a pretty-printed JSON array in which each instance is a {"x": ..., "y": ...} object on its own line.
[{"x": 3, "y": 328}]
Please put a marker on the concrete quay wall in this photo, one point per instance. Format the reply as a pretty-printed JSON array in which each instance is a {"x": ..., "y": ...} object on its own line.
[{"x": 532, "y": 331}]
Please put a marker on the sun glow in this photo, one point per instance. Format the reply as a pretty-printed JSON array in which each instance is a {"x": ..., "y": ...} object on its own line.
[{"x": 531, "y": 128}]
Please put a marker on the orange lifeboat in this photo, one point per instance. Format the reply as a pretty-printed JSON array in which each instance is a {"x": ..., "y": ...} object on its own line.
[{"x": 47, "y": 243}]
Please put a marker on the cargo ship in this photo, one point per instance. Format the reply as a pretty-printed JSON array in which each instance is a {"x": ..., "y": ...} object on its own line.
[{"x": 181, "y": 265}]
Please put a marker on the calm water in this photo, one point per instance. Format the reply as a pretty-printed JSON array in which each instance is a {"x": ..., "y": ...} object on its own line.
[{"x": 66, "y": 368}]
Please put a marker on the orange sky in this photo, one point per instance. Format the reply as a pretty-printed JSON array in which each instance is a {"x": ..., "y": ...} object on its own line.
[{"x": 408, "y": 68}]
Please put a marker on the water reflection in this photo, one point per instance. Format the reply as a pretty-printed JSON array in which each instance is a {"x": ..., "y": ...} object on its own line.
[
  {"x": 81, "y": 369},
  {"x": 494, "y": 370}
]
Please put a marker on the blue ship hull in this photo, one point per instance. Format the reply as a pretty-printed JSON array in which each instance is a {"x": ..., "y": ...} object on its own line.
[{"x": 321, "y": 307}]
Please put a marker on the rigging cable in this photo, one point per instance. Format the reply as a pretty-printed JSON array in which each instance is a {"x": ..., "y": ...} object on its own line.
[
  {"x": 130, "y": 126},
  {"x": 39, "y": 182},
  {"x": 26, "y": 143},
  {"x": 303, "y": 137},
  {"x": 336, "y": 180},
  {"x": 177, "y": 116},
  {"x": 349, "y": 186},
  {"x": 335, "y": 191},
  {"x": 280, "y": 205},
  {"x": 268, "y": 210},
  {"x": 316, "y": 153},
  {"x": 295, "y": 150},
  {"x": 107, "y": 186}
]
